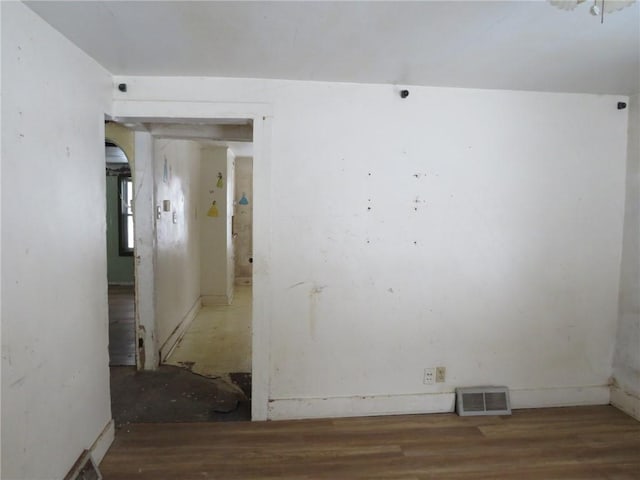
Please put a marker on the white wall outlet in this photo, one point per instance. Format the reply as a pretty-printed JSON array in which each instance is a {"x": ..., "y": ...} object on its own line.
[
  {"x": 441, "y": 374},
  {"x": 429, "y": 376}
]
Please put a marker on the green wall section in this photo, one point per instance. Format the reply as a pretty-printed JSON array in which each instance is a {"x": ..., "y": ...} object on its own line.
[{"x": 119, "y": 269}]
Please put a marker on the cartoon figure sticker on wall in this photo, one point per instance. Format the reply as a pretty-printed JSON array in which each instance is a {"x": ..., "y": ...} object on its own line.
[
  {"x": 213, "y": 210},
  {"x": 220, "y": 183},
  {"x": 244, "y": 200}
]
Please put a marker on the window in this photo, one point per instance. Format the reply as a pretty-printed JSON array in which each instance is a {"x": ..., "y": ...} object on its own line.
[{"x": 125, "y": 194}]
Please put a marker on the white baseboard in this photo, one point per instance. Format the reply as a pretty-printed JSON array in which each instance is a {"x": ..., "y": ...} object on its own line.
[
  {"x": 171, "y": 342},
  {"x": 546, "y": 397},
  {"x": 214, "y": 300},
  {"x": 627, "y": 401},
  {"x": 356, "y": 406},
  {"x": 103, "y": 442},
  {"x": 360, "y": 406}
]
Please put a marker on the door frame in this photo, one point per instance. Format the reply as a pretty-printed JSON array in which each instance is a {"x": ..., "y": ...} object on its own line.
[{"x": 125, "y": 111}]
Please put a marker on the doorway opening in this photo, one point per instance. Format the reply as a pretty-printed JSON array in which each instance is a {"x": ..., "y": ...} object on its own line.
[
  {"x": 217, "y": 343},
  {"x": 192, "y": 311},
  {"x": 120, "y": 247}
]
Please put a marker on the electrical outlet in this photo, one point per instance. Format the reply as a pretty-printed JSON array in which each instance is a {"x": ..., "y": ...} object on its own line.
[
  {"x": 429, "y": 376},
  {"x": 441, "y": 373}
]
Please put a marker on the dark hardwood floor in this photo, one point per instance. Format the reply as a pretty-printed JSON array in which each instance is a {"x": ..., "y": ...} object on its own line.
[
  {"x": 558, "y": 443},
  {"x": 122, "y": 337}
]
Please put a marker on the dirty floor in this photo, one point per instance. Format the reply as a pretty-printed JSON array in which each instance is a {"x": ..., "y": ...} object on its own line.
[
  {"x": 174, "y": 394},
  {"x": 207, "y": 378},
  {"x": 218, "y": 341}
]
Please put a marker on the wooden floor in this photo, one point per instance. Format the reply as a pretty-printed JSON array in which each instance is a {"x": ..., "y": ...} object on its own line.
[
  {"x": 122, "y": 335},
  {"x": 560, "y": 443}
]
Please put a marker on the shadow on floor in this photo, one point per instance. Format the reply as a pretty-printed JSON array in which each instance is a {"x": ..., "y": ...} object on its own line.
[{"x": 174, "y": 394}]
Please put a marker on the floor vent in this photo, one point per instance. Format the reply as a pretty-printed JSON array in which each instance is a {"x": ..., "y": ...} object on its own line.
[
  {"x": 482, "y": 401},
  {"x": 84, "y": 469}
]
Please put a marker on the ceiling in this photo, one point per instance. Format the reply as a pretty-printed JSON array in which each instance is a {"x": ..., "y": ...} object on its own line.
[{"x": 517, "y": 45}]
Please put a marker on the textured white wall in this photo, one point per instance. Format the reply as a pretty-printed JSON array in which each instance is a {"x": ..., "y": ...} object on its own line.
[
  {"x": 178, "y": 244},
  {"x": 144, "y": 211},
  {"x": 55, "y": 375},
  {"x": 478, "y": 230},
  {"x": 626, "y": 366}
]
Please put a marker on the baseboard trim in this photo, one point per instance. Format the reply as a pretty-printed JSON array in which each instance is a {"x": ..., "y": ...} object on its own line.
[
  {"x": 178, "y": 332},
  {"x": 103, "y": 442},
  {"x": 214, "y": 300},
  {"x": 546, "y": 397},
  {"x": 122, "y": 284},
  {"x": 625, "y": 400},
  {"x": 359, "y": 406},
  {"x": 444, "y": 402}
]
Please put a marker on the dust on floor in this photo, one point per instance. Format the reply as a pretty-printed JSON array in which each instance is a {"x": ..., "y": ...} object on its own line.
[
  {"x": 218, "y": 341},
  {"x": 174, "y": 394}
]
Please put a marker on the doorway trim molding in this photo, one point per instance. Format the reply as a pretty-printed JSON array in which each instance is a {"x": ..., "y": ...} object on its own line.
[{"x": 125, "y": 111}]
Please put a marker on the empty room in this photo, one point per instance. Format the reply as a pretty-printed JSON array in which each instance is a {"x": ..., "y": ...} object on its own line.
[{"x": 426, "y": 213}]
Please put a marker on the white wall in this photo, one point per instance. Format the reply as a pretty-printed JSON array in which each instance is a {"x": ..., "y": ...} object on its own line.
[
  {"x": 492, "y": 245},
  {"x": 216, "y": 274},
  {"x": 625, "y": 391},
  {"x": 230, "y": 210},
  {"x": 178, "y": 243},
  {"x": 55, "y": 375},
  {"x": 144, "y": 226}
]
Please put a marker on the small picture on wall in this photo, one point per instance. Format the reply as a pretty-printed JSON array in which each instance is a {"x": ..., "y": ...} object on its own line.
[{"x": 213, "y": 210}]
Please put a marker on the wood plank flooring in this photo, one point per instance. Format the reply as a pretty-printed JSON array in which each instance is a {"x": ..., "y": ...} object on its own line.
[
  {"x": 560, "y": 443},
  {"x": 122, "y": 335}
]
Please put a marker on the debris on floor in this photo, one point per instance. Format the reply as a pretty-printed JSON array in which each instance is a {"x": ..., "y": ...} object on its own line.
[{"x": 173, "y": 394}]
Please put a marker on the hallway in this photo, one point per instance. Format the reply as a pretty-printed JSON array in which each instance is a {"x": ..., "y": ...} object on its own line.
[{"x": 218, "y": 342}]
